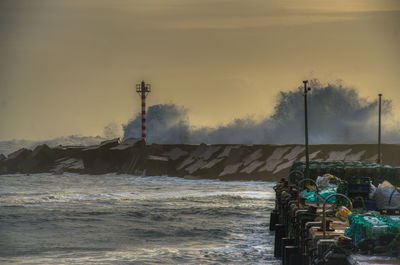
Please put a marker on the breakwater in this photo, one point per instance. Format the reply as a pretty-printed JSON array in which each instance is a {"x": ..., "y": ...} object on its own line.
[{"x": 218, "y": 161}]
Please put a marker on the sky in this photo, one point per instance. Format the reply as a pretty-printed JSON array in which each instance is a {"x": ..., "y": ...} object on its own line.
[{"x": 70, "y": 67}]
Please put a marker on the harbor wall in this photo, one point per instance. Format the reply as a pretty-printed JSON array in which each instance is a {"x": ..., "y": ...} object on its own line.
[{"x": 225, "y": 162}]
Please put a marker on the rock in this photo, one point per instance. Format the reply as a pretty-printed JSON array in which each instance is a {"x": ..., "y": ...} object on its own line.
[
  {"x": 42, "y": 152},
  {"x": 27, "y": 161},
  {"x": 74, "y": 165},
  {"x": 131, "y": 156},
  {"x": 105, "y": 145},
  {"x": 67, "y": 151},
  {"x": 19, "y": 154},
  {"x": 18, "y": 161},
  {"x": 3, "y": 168},
  {"x": 157, "y": 165},
  {"x": 98, "y": 159},
  {"x": 42, "y": 158},
  {"x": 226, "y": 162}
]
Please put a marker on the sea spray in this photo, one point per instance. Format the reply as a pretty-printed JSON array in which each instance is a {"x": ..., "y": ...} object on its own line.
[{"x": 337, "y": 115}]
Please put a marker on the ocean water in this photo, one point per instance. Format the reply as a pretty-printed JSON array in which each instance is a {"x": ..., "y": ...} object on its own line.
[{"x": 125, "y": 219}]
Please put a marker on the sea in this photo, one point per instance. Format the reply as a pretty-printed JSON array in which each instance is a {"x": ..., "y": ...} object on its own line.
[{"x": 126, "y": 219}]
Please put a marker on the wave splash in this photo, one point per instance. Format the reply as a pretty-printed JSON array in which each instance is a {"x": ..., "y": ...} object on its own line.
[{"x": 337, "y": 114}]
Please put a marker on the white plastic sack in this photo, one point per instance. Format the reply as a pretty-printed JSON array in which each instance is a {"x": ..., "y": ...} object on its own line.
[
  {"x": 387, "y": 196},
  {"x": 372, "y": 190},
  {"x": 324, "y": 181}
]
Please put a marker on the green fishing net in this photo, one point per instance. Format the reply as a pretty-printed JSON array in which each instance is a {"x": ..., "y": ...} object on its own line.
[
  {"x": 383, "y": 231},
  {"x": 312, "y": 197},
  {"x": 345, "y": 170}
]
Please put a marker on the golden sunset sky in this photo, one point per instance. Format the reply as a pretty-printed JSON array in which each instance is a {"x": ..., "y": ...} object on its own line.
[{"x": 70, "y": 67}]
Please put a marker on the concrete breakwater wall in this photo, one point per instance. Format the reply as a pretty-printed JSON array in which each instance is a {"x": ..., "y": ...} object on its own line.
[{"x": 225, "y": 162}]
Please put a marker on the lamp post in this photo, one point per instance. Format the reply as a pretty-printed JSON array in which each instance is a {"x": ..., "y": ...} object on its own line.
[
  {"x": 306, "y": 89},
  {"x": 379, "y": 130}
]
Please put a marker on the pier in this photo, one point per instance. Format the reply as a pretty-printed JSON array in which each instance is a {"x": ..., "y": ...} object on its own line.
[{"x": 345, "y": 225}]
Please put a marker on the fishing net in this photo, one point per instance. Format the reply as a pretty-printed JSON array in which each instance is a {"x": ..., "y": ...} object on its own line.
[
  {"x": 375, "y": 232},
  {"x": 325, "y": 193},
  {"x": 347, "y": 169}
]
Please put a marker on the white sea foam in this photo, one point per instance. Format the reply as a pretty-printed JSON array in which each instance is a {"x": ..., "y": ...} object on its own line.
[{"x": 114, "y": 219}]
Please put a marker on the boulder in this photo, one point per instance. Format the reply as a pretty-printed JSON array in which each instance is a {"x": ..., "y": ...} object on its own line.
[
  {"x": 18, "y": 161},
  {"x": 42, "y": 158},
  {"x": 98, "y": 159},
  {"x": 3, "y": 168},
  {"x": 19, "y": 154},
  {"x": 67, "y": 164},
  {"x": 157, "y": 165},
  {"x": 130, "y": 156}
]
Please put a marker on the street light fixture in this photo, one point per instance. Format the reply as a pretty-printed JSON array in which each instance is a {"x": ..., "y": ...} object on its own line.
[
  {"x": 379, "y": 130},
  {"x": 306, "y": 89}
]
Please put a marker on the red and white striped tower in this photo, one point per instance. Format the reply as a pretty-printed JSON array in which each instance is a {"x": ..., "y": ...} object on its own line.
[{"x": 143, "y": 89}]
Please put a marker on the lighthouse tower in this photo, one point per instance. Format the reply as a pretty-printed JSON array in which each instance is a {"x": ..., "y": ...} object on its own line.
[{"x": 143, "y": 90}]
